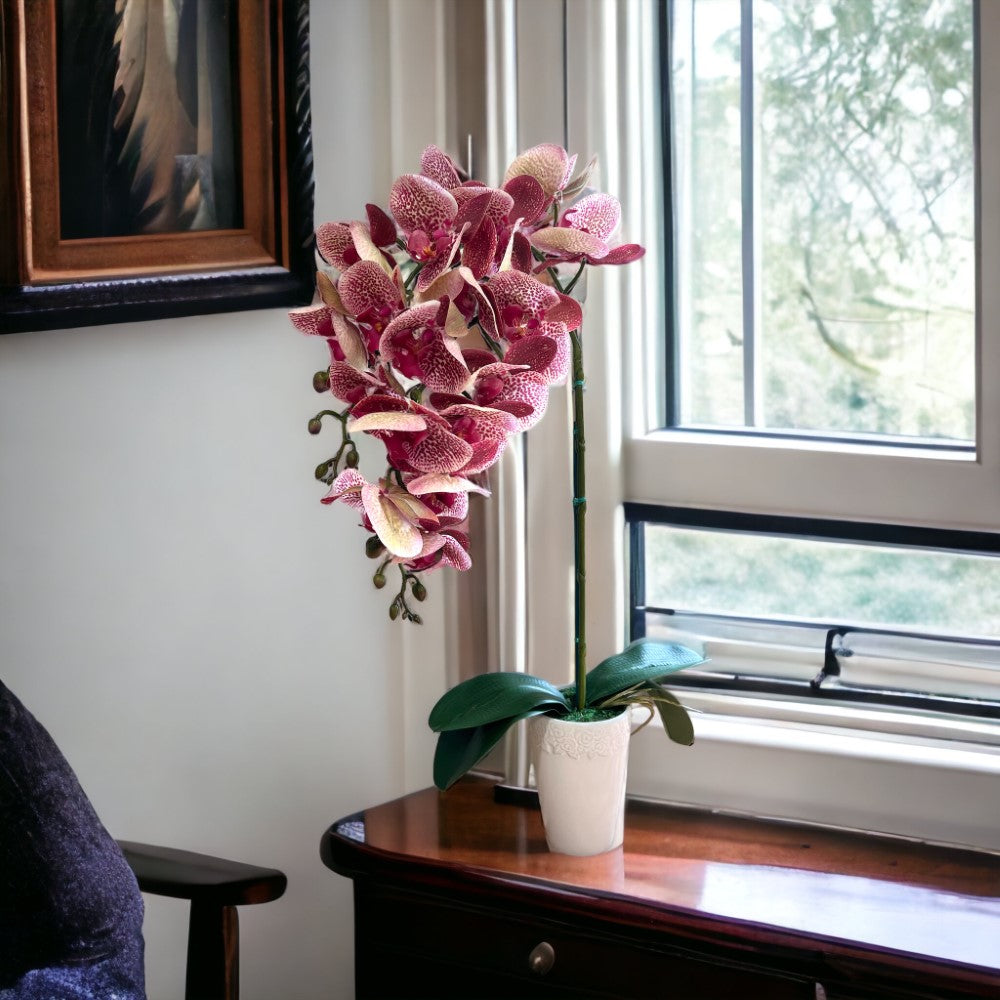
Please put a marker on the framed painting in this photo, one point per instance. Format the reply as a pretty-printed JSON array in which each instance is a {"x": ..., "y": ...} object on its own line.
[{"x": 156, "y": 160}]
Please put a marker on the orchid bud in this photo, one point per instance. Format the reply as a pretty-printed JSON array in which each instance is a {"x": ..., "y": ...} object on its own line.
[
  {"x": 315, "y": 425},
  {"x": 419, "y": 591},
  {"x": 321, "y": 381},
  {"x": 322, "y": 470},
  {"x": 352, "y": 459},
  {"x": 393, "y": 612},
  {"x": 379, "y": 580},
  {"x": 416, "y": 619},
  {"x": 374, "y": 548}
]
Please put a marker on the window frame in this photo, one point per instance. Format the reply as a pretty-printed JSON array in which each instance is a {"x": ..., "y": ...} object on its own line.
[{"x": 773, "y": 765}]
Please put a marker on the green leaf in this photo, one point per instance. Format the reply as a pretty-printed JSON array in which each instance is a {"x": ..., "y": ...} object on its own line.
[
  {"x": 458, "y": 750},
  {"x": 492, "y": 697},
  {"x": 642, "y": 660},
  {"x": 674, "y": 716}
]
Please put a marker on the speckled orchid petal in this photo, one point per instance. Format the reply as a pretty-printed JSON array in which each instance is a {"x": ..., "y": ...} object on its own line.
[
  {"x": 427, "y": 558},
  {"x": 547, "y": 163},
  {"x": 422, "y": 485},
  {"x": 328, "y": 292},
  {"x": 417, "y": 202},
  {"x": 412, "y": 508},
  {"x": 384, "y": 402},
  {"x": 436, "y": 267},
  {"x": 347, "y": 487},
  {"x": 473, "y": 204},
  {"x": 484, "y": 307},
  {"x": 522, "y": 393},
  {"x": 522, "y": 290},
  {"x": 454, "y": 324},
  {"x": 336, "y": 245},
  {"x": 537, "y": 353},
  {"x": 448, "y": 285},
  {"x": 480, "y": 250},
  {"x": 485, "y": 454},
  {"x": 451, "y": 508},
  {"x": 476, "y": 357},
  {"x": 381, "y": 227},
  {"x": 455, "y": 551},
  {"x": 439, "y": 166},
  {"x": 350, "y": 341},
  {"x": 528, "y": 198},
  {"x": 366, "y": 249},
  {"x": 398, "y": 535},
  {"x": 625, "y": 253},
  {"x": 366, "y": 287},
  {"x": 518, "y": 256},
  {"x": 568, "y": 312},
  {"x": 312, "y": 320},
  {"x": 480, "y": 422},
  {"x": 438, "y": 451},
  {"x": 416, "y": 345},
  {"x": 597, "y": 214},
  {"x": 387, "y": 421},
  {"x": 561, "y": 241},
  {"x": 490, "y": 203},
  {"x": 349, "y": 384}
]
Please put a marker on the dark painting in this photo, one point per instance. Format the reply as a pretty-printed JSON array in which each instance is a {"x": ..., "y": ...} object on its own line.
[{"x": 147, "y": 117}]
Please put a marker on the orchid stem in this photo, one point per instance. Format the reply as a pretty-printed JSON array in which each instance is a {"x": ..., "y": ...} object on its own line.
[{"x": 579, "y": 524}]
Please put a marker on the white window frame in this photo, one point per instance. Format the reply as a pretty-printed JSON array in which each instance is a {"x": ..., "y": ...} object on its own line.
[{"x": 775, "y": 763}]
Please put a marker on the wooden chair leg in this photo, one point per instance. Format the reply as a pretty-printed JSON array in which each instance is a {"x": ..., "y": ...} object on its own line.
[{"x": 213, "y": 962}]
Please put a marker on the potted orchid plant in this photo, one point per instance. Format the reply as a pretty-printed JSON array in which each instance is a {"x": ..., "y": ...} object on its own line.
[{"x": 448, "y": 319}]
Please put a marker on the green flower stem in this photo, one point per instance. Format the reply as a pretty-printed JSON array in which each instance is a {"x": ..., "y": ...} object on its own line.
[{"x": 579, "y": 523}]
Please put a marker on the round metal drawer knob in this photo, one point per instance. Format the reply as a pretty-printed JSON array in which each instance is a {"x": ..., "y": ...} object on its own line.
[{"x": 542, "y": 958}]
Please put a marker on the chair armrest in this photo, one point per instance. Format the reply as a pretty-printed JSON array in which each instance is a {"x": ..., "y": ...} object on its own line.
[{"x": 201, "y": 878}]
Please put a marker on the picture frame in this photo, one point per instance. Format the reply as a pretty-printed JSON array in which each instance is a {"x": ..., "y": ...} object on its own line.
[{"x": 153, "y": 165}]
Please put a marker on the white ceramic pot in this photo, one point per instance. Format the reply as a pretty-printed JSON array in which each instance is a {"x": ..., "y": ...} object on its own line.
[{"x": 580, "y": 771}]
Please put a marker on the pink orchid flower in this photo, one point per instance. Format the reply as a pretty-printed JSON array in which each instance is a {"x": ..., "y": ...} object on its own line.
[
  {"x": 549, "y": 164},
  {"x": 344, "y": 339},
  {"x": 417, "y": 344},
  {"x": 342, "y": 244},
  {"x": 448, "y": 547},
  {"x": 391, "y": 512},
  {"x": 416, "y": 438},
  {"x": 372, "y": 298},
  {"x": 525, "y": 310},
  {"x": 515, "y": 389},
  {"x": 493, "y": 215},
  {"x": 583, "y": 234}
]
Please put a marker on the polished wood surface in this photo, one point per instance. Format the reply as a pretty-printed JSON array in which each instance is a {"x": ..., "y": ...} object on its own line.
[{"x": 861, "y": 907}]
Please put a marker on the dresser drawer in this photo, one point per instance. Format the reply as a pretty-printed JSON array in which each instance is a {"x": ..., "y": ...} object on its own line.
[{"x": 412, "y": 945}]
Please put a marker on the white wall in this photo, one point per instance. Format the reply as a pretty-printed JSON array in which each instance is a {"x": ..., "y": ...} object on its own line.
[{"x": 177, "y": 607}]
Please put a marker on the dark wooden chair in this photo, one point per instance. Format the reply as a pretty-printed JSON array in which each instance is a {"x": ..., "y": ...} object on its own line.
[{"x": 215, "y": 888}]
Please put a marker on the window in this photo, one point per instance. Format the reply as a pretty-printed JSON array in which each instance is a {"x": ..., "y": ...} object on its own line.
[
  {"x": 821, "y": 161},
  {"x": 823, "y": 204},
  {"x": 690, "y": 451}
]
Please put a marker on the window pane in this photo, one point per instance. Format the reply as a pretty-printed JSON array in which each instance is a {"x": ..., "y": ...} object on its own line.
[
  {"x": 717, "y": 572},
  {"x": 838, "y": 295}
]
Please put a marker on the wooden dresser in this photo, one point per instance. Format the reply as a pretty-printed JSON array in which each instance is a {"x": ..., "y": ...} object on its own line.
[{"x": 457, "y": 896}]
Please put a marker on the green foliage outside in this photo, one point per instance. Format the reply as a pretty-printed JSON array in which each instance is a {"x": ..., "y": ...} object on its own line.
[{"x": 863, "y": 215}]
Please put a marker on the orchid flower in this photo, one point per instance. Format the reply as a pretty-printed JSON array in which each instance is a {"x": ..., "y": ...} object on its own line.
[
  {"x": 391, "y": 512},
  {"x": 525, "y": 310},
  {"x": 443, "y": 342},
  {"x": 583, "y": 234},
  {"x": 419, "y": 345}
]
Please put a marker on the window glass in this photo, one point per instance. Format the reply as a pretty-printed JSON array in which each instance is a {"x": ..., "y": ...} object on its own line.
[
  {"x": 805, "y": 579},
  {"x": 824, "y": 201}
]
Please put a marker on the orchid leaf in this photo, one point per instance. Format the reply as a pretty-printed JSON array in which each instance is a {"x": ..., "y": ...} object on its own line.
[
  {"x": 674, "y": 716},
  {"x": 642, "y": 660},
  {"x": 490, "y": 698},
  {"x": 458, "y": 750}
]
